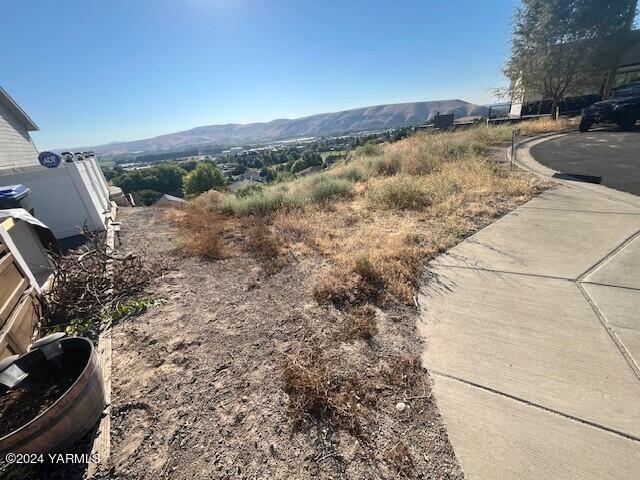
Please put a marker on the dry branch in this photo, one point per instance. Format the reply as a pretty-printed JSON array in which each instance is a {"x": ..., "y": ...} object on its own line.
[{"x": 81, "y": 289}]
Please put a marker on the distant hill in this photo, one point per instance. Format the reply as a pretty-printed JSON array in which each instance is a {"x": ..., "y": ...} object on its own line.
[{"x": 347, "y": 121}]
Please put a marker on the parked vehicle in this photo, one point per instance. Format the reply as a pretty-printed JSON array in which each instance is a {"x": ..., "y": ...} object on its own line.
[{"x": 622, "y": 107}]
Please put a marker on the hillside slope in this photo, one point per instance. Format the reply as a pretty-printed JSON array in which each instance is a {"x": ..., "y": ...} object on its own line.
[{"x": 359, "y": 119}]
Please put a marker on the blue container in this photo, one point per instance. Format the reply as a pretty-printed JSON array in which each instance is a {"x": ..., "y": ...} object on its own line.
[{"x": 16, "y": 196}]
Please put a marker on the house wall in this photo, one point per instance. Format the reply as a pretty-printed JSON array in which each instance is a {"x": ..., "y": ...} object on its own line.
[
  {"x": 63, "y": 197},
  {"x": 16, "y": 147},
  {"x": 97, "y": 191},
  {"x": 102, "y": 181}
]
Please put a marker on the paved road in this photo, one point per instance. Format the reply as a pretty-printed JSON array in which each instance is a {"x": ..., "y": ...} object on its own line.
[
  {"x": 610, "y": 157},
  {"x": 533, "y": 338}
]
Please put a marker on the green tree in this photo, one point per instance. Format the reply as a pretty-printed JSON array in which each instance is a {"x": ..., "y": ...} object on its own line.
[
  {"x": 267, "y": 174},
  {"x": 205, "y": 177},
  {"x": 189, "y": 165},
  {"x": 311, "y": 158},
  {"x": 298, "y": 166},
  {"x": 564, "y": 47},
  {"x": 146, "y": 197}
]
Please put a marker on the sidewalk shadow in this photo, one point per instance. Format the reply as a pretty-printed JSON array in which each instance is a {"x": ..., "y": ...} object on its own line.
[{"x": 576, "y": 177}]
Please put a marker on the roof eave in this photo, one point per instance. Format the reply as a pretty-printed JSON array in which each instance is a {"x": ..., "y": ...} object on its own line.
[{"x": 6, "y": 100}]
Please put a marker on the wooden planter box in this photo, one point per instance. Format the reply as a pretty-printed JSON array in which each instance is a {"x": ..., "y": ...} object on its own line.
[{"x": 20, "y": 306}]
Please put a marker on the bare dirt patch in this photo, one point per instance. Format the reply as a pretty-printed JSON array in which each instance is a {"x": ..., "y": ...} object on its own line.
[{"x": 204, "y": 384}]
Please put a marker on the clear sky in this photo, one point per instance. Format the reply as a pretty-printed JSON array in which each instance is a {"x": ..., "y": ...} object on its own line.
[{"x": 92, "y": 72}]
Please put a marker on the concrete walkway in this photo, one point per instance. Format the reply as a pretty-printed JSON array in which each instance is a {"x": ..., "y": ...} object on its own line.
[{"x": 533, "y": 338}]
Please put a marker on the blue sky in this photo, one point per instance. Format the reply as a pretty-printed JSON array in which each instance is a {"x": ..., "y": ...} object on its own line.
[{"x": 91, "y": 72}]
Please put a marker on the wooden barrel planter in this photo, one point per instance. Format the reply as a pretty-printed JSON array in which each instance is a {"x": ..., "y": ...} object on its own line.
[{"x": 60, "y": 400}]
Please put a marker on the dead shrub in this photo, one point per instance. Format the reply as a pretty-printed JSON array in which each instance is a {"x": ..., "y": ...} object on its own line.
[
  {"x": 400, "y": 460},
  {"x": 349, "y": 288},
  {"x": 208, "y": 200},
  {"x": 403, "y": 372},
  {"x": 360, "y": 322},
  {"x": 201, "y": 232},
  {"x": 265, "y": 247},
  {"x": 318, "y": 390}
]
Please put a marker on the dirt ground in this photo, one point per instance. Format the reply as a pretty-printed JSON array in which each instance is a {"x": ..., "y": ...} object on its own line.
[{"x": 198, "y": 383}]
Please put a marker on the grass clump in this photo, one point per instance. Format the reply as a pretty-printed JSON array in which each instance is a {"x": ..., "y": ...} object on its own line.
[
  {"x": 360, "y": 323},
  {"x": 265, "y": 247},
  {"x": 319, "y": 390},
  {"x": 400, "y": 192},
  {"x": 249, "y": 190},
  {"x": 352, "y": 173},
  {"x": 369, "y": 149},
  {"x": 201, "y": 231},
  {"x": 207, "y": 201},
  {"x": 257, "y": 203},
  {"x": 323, "y": 188},
  {"x": 319, "y": 188},
  {"x": 388, "y": 164}
]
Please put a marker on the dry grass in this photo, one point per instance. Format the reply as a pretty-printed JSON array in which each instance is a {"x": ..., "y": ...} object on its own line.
[
  {"x": 376, "y": 219},
  {"x": 319, "y": 390},
  {"x": 201, "y": 230},
  {"x": 546, "y": 125},
  {"x": 403, "y": 372},
  {"x": 360, "y": 323},
  {"x": 265, "y": 247},
  {"x": 400, "y": 460}
]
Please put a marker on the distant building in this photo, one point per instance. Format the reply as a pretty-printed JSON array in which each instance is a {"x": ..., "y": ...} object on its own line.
[
  {"x": 252, "y": 175},
  {"x": 167, "y": 200}
]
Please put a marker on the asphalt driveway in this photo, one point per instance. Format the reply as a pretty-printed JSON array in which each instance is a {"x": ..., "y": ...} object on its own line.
[{"x": 605, "y": 156}]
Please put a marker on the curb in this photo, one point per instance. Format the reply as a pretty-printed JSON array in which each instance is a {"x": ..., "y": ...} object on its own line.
[{"x": 527, "y": 162}]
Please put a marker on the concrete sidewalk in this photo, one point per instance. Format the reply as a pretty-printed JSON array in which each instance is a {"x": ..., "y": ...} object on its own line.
[{"x": 533, "y": 338}]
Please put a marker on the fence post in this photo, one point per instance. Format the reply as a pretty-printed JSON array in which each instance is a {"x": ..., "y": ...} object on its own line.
[{"x": 515, "y": 137}]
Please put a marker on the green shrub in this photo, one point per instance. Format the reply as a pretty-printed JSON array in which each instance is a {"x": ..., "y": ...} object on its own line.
[
  {"x": 325, "y": 188},
  {"x": 400, "y": 192},
  {"x": 146, "y": 197},
  {"x": 351, "y": 173},
  {"x": 369, "y": 149},
  {"x": 257, "y": 203},
  {"x": 247, "y": 190},
  {"x": 388, "y": 164}
]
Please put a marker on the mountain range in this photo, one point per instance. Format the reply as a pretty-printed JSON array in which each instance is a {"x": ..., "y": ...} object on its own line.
[{"x": 348, "y": 121}]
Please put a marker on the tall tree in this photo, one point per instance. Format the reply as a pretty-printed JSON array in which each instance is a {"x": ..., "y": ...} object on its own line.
[
  {"x": 565, "y": 47},
  {"x": 205, "y": 177}
]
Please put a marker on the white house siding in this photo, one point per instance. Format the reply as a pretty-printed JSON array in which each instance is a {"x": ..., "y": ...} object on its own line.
[
  {"x": 62, "y": 197},
  {"x": 16, "y": 147},
  {"x": 85, "y": 174},
  {"x": 102, "y": 185}
]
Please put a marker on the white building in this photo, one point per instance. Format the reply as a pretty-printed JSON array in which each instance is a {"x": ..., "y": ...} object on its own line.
[{"x": 64, "y": 197}]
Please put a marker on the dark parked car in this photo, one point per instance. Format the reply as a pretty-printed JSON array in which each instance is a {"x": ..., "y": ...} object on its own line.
[{"x": 622, "y": 107}]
